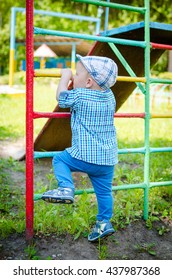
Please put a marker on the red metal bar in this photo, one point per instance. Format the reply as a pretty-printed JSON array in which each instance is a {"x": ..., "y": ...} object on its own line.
[
  {"x": 37, "y": 115},
  {"x": 29, "y": 119},
  {"x": 130, "y": 115},
  {"x": 52, "y": 115},
  {"x": 161, "y": 46}
]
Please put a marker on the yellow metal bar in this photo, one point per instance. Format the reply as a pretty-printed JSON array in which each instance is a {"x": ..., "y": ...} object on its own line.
[
  {"x": 57, "y": 74},
  {"x": 161, "y": 116},
  {"x": 73, "y": 65},
  {"x": 12, "y": 67},
  {"x": 131, "y": 79}
]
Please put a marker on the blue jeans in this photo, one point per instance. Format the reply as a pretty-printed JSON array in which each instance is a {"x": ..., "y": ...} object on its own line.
[{"x": 101, "y": 177}]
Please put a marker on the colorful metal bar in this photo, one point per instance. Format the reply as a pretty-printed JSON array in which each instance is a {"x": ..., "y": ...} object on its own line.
[
  {"x": 131, "y": 79},
  {"x": 114, "y": 188},
  {"x": 161, "y": 150},
  {"x": 160, "y": 81},
  {"x": 113, "y": 5},
  {"x": 57, "y": 74},
  {"x": 125, "y": 64},
  {"x": 37, "y": 115},
  {"x": 12, "y": 46},
  {"x": 29, "y": 119},
  {"x": 147, "y": 107},
  {"x": 161, "y": 184},
  {"x": 161, "y": 46},
  {"x": 161, "y": 116},
  {"x": 120, "y": 151},
  {"x": 130, "y": 115},
  {"x": 39, "y": 74},
  {"x": 43, "y": 31}
]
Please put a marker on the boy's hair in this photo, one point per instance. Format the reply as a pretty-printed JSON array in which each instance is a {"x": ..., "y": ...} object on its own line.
[{"x": 102, "y": 69}]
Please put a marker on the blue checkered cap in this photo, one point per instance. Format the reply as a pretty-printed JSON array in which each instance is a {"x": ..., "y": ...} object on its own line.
[{"x": 102, "y": 69}]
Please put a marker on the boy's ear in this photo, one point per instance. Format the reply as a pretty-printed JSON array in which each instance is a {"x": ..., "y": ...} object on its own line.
[{"x": 89, "y": 83}]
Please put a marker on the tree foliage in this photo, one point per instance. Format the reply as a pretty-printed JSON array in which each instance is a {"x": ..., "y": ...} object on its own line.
[{"x": 160, "y": 11}]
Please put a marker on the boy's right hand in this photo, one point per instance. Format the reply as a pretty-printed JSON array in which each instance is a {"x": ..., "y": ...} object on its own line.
[{"x": 67, "y": 74}]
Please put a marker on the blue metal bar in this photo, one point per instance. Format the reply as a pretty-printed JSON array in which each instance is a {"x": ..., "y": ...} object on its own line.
[{"x": 61, "y": 15}]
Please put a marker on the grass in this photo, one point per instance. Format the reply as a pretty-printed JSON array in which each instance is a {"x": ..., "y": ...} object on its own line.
[{"x": 77, "y": 219}]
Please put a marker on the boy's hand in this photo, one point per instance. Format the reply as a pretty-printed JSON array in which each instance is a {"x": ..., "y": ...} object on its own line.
[{"x": 66, "y": 76}]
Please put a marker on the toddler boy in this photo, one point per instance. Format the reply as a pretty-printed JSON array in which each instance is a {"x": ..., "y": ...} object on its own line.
[{"x": 94, "y": 144}]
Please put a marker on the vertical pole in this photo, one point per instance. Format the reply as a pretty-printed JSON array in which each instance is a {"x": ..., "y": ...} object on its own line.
[
  {"x": 106, "y": 17},
  {"x": 73, "y": 56},
  {"x": 147, "y": 109},
  {"x": 29, "y": 118},
  {"x": 12, "y": 47}
]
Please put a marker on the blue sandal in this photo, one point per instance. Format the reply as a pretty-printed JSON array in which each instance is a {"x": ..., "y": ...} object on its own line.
[
  {"x": 101, "y": 230},
  {"x": 60, "y": 195}
]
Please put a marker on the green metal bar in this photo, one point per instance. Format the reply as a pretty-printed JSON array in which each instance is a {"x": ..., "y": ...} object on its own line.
[
  {"x": 132, "y": 151},
  {"x": 89, "y": 37},
  {"x": 113, "y": 5},
  {"x": 161, "y": 184},
  {"x": 160, "y": 81},
  {"x": 126, "y": 65},
  {"x": 147, "y": 110},
  {"x": 160, "y": 150},
  {"x": 114, "y": 188},
  {"x": 120, "y": 151}
]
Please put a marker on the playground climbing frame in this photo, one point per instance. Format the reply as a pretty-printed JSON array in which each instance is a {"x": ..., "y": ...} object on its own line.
[{"x": 142, "y": 82}]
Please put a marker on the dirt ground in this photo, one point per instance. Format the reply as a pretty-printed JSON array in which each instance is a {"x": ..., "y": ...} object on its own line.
[{"x": 135, "y": 242}]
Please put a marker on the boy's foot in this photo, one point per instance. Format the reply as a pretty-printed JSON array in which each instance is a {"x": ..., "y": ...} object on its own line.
[
  {"x": 60, "y": 195},
  {"x": 102, "y": 229}
]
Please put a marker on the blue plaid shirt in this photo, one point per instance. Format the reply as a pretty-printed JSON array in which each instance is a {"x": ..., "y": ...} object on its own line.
[{"x": 92, "y": 123}]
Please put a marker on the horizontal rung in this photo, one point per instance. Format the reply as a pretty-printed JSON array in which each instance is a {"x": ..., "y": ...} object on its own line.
[
  {"x": 59, "y": 115},
  {"x": 161, "y": 184},
  {"x": 140, "y": 10},
  {"x": 57, "y": 74},
  {"x": 120, "y": 151},
  {"x": 161, "y": 116},
  {"x": 160, "y": 81},
  {"x": 161, "y": 150},
  {"x": 161, "y": 46},
  {"x": 89, "y": 191},
  {"x": 99, "y": 38},
  {"x": 131, "y": 79}
]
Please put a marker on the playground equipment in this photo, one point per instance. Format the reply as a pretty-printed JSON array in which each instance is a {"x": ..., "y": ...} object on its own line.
[{"x": 135, "y": 48}]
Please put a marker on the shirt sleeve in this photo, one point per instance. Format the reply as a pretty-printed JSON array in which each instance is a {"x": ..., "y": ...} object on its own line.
[{"x": 68, "y": 99}]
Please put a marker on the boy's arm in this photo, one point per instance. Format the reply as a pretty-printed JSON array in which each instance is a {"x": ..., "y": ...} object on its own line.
[{"x": 66, "y": 76}]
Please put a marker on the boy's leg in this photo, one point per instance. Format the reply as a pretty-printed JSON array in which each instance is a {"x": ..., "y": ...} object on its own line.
[
  {"x": 103, "y": 188},
  {"x": 102, "y": 183},
  {"x": 62, "y": 171}
]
